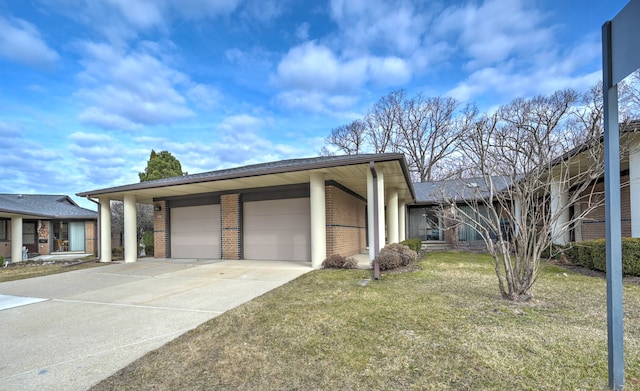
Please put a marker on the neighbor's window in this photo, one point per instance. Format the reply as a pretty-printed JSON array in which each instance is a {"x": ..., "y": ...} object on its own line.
[
  {"x": 425, "y": 223},
  {"x": 468, "y": 231},
  {"x": 3, "y": 229}
]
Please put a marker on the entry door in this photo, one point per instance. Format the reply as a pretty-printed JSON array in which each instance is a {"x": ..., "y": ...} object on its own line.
[
  {"x": 29, "y": 238},
  {"x": 76, "y": 236}
]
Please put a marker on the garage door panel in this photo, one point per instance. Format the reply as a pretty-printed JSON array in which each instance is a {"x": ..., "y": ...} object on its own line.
[
  {"x": 195, "y": 232},
  {"x": 277, "y": 229}
]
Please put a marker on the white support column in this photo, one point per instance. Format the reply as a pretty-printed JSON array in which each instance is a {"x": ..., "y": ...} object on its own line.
[
  {"x": 16, "y": 238},
  {"x": 370, "y": 216},
  {"x": 517, "y": 215},
  {"x": 375, "y": 212},
  {"x": 559, "y": 200},
  {"x": 392, "y": 216},
  {"x": 105, "y": 230},
  {"x": 402, "y": 220},
  {"x": 634, "y": 188},
  {"x": 130, "y": 224},
  {"x": 318, "y": 220},
  {"x": 381, "y": 215}
]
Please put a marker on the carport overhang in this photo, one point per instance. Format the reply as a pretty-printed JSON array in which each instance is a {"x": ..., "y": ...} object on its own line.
[{"x": 353, "y": 172}]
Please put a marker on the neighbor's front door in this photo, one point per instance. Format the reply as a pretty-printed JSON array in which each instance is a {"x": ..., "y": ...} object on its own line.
[{"x": 29, "y": 236}]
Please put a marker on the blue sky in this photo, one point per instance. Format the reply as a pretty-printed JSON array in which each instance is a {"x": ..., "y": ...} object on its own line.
[{"x": 88, "y": 88}]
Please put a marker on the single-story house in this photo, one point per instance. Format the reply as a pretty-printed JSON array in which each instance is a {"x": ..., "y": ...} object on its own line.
[
  {"x": 427, "y": 216},
  {"x": 299, "y": 210},
  {"x": 44, "y": 224}
]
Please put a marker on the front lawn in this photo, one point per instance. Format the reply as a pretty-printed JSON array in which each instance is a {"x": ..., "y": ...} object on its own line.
[
  {"x": 29, "y": 269},
  {"x": 443, "y": 327}
]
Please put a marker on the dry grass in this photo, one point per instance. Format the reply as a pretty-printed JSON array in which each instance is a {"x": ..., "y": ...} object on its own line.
[
  {"x": 443, "y": 327},
  {"x": 29, "y": 269}
]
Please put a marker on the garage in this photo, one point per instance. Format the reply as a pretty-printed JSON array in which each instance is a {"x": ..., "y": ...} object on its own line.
[
  {"x": 195, "y": 232},
  {"x": 277, "y": 230}
]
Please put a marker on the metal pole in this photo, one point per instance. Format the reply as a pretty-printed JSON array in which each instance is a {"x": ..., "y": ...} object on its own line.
[{"x": 615, "y": 329}]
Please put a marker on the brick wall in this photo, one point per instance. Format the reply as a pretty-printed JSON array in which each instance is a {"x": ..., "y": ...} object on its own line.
[
  {"x": 230, "y": 219},
  {"x": 160, "y": 229},
  {"x": 593, "y": 226},
  {"x": 345, "y": 218}
]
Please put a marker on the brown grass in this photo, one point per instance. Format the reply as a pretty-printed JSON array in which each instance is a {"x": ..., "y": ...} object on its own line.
[
  {"x": 443, "y": 327},
  {"x": 29, "y": 269}
]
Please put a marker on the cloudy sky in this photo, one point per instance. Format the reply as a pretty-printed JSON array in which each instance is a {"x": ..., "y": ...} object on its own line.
[{"x": 88, "y": 88}]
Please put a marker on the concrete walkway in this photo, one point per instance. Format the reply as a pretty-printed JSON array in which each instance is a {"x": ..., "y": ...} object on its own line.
[{"x": 69, "y": 331}]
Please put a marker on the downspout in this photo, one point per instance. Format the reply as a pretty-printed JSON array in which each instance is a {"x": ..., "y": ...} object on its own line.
[
  {"x": 97, "y": 229},
  {"x": 376, "y": 224}
]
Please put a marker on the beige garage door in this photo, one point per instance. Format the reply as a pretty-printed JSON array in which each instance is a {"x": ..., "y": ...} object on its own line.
[
  {"x": 277, "y": 230},
  {"x": 195, "y": 232}
]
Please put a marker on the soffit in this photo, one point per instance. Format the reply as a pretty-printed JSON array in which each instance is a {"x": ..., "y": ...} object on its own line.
[{"x": 353, "y": 177}]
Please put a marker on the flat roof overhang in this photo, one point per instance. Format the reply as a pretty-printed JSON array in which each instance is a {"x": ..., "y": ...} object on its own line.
[{"x": 350, "y": 173}]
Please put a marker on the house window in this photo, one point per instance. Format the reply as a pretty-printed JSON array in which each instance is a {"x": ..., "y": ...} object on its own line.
[
  {"x": 3, "y": 229},
  {"x": 426, "y": 223},
  {"x": 468, "y": 231}
]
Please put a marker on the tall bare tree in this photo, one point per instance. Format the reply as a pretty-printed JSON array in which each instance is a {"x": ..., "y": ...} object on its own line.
[
  {"x": 349, "y": 139},
  {"x": 531, "y": 179},
  {"x": 429, "y": 130},
  {"x": 382, "y": 122}
]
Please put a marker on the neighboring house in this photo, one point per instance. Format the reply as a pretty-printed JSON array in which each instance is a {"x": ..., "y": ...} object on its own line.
[
  {"x": 44, "y": 224},
  {"x": 427, "y": 217},
  {"x": 299, "y": 209}
]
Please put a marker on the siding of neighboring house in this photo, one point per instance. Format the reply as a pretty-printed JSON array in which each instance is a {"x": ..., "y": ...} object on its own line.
[
  {"x": 593, "y": 225},
  {"x": 346, "y": 222},
  {"x": 5, "y": 240},
  {"x": 45, "y": 243}
]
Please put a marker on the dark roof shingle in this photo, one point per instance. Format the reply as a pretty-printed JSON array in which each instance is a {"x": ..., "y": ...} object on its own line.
[{"x": 48, "y": 206}]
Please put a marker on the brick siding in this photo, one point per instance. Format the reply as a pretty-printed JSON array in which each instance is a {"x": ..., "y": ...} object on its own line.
[
  {"x": 345, "y": 219},
  {"x": 160, "y": 230},
  {"x": 231, "y": 230}
]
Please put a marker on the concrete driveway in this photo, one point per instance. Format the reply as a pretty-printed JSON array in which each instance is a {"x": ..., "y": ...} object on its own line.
[{"x": 69, "y": 331}]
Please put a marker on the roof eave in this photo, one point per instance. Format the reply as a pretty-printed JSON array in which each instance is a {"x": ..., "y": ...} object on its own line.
[{"x": 364, "y": 159}]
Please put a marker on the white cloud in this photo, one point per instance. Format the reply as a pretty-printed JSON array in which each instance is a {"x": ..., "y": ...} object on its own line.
[
  {"x": 203, "y": 96},
  {"x": 21, "y": 41},
  {"x": 127, "y": 89},
  {"x": 302, "y": 31},
  {"x": 314, "y": 67},
  {"x": 120, "y": 20},
  {"x": 495, "y": 30},
  {"x": 396, "y": 26}
]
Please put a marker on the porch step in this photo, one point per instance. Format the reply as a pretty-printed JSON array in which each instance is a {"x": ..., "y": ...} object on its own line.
[{"x": 435, "y": 246}]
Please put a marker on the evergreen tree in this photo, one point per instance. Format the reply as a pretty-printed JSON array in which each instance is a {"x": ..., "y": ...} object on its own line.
[{"x": 161, "y": 165}]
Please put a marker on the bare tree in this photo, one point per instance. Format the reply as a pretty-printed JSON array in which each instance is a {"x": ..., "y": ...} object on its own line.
[
  {"x": 349, "y": 139},
  {"x": 382, "y": 122},
  {"x": 144, "y": 218},
  {"x": 531, "y": 180},
  {"x": 429, "y": 130}
]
